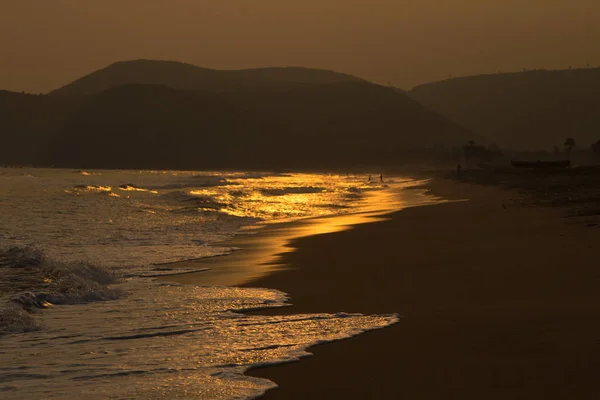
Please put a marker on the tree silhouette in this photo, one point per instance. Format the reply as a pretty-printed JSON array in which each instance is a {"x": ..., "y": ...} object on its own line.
[{"x": 569, "y": 144}]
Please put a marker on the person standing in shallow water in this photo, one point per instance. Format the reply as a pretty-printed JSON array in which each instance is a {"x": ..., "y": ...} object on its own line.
[{"x": 380, "y": 178}]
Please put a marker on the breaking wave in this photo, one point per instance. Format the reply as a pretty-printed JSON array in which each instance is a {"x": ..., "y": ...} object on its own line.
[
  {"x": 14, "y": 319},
  {"x": 90, "y": 189},
  {"x": 152, "y": 339},
  {"x": 120, "y": 351},
  {"x": 32, "y": 281}
]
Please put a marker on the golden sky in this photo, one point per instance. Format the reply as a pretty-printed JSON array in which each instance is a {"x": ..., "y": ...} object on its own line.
[{"x": 47, "y": 43}]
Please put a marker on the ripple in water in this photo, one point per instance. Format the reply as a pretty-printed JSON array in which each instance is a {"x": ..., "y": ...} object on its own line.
[
  {"x": 166, "y": 341},
  {"x": 123, "y": 335}
]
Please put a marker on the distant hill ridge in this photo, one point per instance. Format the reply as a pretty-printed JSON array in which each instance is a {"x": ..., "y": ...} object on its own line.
[
  {"x": 184, "y": 76},
  {"x": 162, "y": 114},
  {"x": 523, "y": 110}
]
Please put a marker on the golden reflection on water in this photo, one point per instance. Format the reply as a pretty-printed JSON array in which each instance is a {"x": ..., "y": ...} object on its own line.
[
  {"x": 280, "y": 198},
  {"x": 128, "y": 188},
  {"x": 259, "y": 254}
]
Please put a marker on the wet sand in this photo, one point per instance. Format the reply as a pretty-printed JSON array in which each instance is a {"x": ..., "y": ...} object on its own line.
[
  {"x": 498, "y": 301},
  {"x": 260, "y": 251}
]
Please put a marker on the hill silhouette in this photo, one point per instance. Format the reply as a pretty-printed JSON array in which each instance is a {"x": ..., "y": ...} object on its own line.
[
  {"x": 352, "y": 112},
  {"x": 183, "y": 76},
  {"x": 525, "y": 110},
  {"x": 278, "y": 118},
  {"x": 150, "y": 126},
  {"x": 29, "y": 122}
]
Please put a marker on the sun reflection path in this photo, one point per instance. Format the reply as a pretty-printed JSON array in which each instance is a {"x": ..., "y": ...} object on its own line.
[
  {"x": 284, "y": 198},
  {"x": 260, "y": 254}
]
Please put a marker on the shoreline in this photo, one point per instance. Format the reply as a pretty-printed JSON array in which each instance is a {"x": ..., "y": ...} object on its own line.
[
  {"x": 495, "y": 302},
  {"x": 258, "y": 255}
]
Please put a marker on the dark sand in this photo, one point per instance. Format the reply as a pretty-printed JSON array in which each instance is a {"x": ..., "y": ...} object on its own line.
[{"x": 497, "y": 302}]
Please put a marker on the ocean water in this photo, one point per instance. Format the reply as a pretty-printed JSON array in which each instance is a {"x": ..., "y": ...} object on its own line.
[{"x": 77, "y": 249}]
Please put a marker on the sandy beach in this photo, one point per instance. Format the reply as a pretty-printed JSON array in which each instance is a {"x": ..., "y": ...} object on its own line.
[
  {"x": 498, "y": 301},
  {"x": 315, "y": 200}
]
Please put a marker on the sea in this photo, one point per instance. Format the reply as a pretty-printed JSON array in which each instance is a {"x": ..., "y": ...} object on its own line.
[{"x": 83, "y": 315}]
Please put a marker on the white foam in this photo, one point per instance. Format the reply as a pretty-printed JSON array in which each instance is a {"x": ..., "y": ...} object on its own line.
[
  {"x": 159, "y": 341},
  {"x": 29, "y": 281},
  {"x": 166, "y": 341}
]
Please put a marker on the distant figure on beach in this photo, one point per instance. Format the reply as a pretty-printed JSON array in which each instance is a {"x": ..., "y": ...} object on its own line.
[
  {"x": 458, "y": 168},
  {"x": 369, "y": 178},
  {"x": 381, "y": 178}
]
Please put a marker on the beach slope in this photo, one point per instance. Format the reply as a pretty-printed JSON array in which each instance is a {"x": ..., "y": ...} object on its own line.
[{"x": 498, "y": 301}]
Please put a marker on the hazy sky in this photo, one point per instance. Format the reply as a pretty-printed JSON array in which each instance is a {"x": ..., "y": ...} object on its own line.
[{"x": 47, "y": 43}]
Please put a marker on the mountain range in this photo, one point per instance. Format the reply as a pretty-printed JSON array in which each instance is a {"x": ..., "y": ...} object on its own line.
[
  {"x": 163, "y": 114},
  {"x": 525, "y": 110}
]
